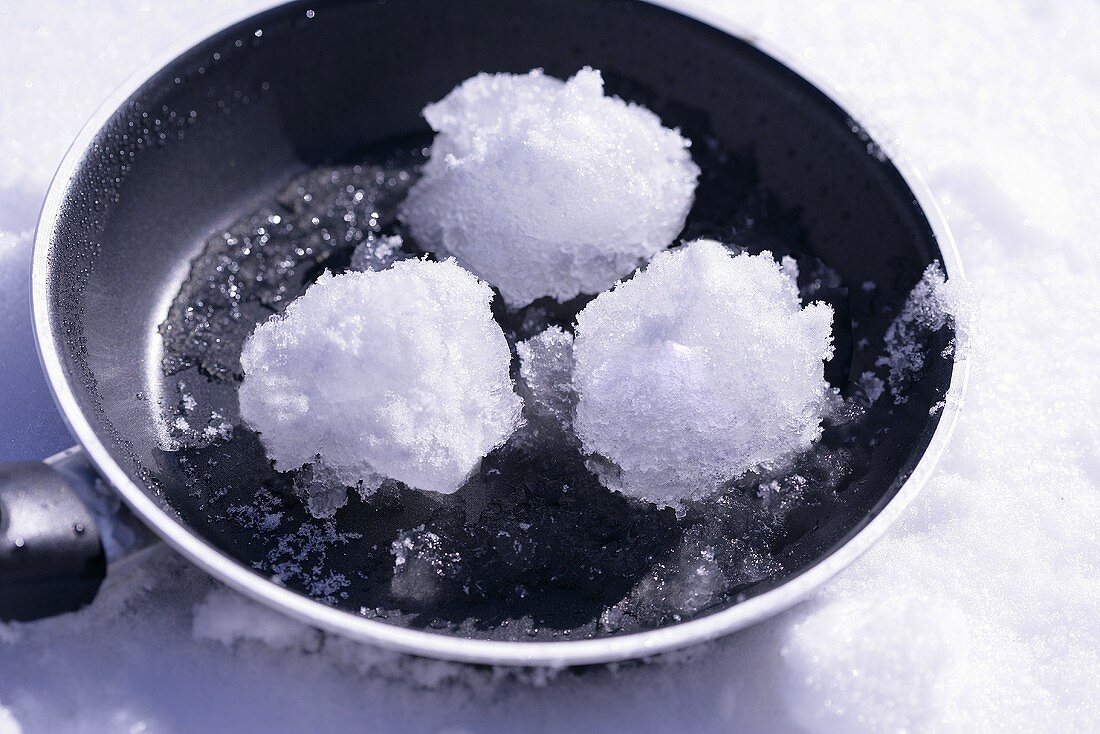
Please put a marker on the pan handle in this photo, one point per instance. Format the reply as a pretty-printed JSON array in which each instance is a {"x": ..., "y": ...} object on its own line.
[{"x": 59, "y": 528}]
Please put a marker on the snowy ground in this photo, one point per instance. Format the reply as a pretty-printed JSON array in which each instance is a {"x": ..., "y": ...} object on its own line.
[{"x": 981, "y": 612}]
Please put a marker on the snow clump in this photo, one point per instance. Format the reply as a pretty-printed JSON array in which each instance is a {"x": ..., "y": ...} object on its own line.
[
  {"x": 400, "y": 373},
  {"x": 698, "y": 369},
  {"x": 549, "y": 188}
]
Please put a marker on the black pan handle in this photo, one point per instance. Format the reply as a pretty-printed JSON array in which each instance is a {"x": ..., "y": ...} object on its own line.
[{"x": 59, "y": 527}]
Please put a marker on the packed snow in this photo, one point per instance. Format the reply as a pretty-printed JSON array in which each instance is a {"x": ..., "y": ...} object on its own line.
[
  {"x": 399, "y": 374},
  {"x": 702, "y": 366},
  {"x": 931, "y": 304},
  {"x": 549, "y": 188},
  {"x": 546, "y": 380},
  {"x": 980, "y": 612},
  {"x": 8, "y": 723}
]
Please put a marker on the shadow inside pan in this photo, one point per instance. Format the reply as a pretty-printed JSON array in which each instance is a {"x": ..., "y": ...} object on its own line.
[{"x": 215, "y": 140}]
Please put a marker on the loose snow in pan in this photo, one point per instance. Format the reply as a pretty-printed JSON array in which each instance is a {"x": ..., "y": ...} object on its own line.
[
  {"x": 932, "y": 303},
  {"x": 545, "y": 188},
  {"x": 980, "y": 612},
  {"x": 377, "y": 254},
  {"x": 546, "y": 379},
  {"x": 399, "y": 374},
  {"x": 265, "y": 259},
  {"x": 699, "y": 368}
]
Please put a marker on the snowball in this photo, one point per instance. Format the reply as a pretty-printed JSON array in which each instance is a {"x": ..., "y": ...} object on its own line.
[
  {"x": 699, "y": 368},
  {"x": 400, "y": 373},
  {"x": 549, "y": 188}
]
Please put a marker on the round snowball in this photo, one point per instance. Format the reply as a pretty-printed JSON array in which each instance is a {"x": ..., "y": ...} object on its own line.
[
  {"x": 400, "y": 373},
  {"x": 549, "y": 188},
  {"x": 699, "y": 368}
]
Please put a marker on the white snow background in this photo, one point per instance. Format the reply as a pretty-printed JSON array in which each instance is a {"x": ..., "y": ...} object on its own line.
[{"x": 979, "y": 612}]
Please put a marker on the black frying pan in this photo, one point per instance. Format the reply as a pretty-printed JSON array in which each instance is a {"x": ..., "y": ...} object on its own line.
[{"x": 188, "y": 149}]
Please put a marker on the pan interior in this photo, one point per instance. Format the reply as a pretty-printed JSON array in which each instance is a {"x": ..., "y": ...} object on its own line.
[{"x": 220, "y": 131}]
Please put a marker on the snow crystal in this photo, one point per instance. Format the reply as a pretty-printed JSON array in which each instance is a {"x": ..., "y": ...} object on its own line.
[
  {"x": 377, "y": 254},
  {"x": 323, "y": 490},
  {"x": 184, "y": 424},
  {"x": 546, "y": 380},
  {"x": 549, "y": 188},
  {"x": 699, "y": 368},
  {"x": 401, "y": 373},
  {"x": 932, "y": 304},
  {"x": 188, "y": 401},
  {"x": 301, "y": 558},
  {"x": 871, "y": 385},
  {"x": 420, "y": 562}
]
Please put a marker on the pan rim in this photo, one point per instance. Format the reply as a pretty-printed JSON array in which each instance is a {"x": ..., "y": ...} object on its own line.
[{"x": 432, "y": 644}]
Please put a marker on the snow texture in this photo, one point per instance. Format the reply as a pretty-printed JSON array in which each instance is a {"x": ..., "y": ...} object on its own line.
[
  {"x": 933, "y": 303},
  {"x": 699, "y": 368},
  {"x": 399, "y": 374},
  {"x": 8, "y": 723},
  {"x": 546, "y": 378},
  {"x": 980, "y": 612},
  {"x": 549, "y": 188},
  {"x": 376, "y": 254}
]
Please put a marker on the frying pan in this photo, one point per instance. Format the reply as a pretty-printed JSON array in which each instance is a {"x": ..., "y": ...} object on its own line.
[{"x": 200, "y": 138}]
